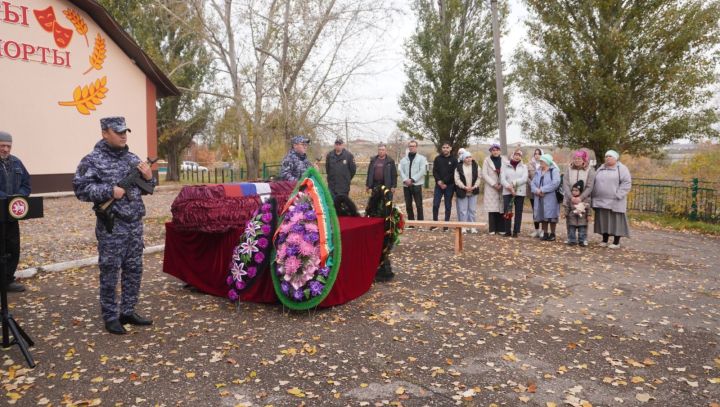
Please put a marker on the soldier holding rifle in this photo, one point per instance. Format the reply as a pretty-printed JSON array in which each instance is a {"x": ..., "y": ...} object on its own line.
[{"x": 114, "y": 179}]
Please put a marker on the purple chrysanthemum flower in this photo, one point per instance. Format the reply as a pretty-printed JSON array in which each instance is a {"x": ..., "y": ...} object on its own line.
[
  {"x": 281, "y": 239},
  {"x": 262, "y": 243},
  {"x": 312, "y": 237},
  {"x": 285, "y": 287},
  {"x": 251, "y": 272},
  {"x": 310, "y": 215},
  {"x": 229, "y": 280},
  {"x": 265, "y": 229},
  {"x": 298, "y": 228},
  {"x": 298, "y": 295},
  {"x": 266, "y": 207},
  {"x": 267, "y": 217},
  {"x": 259, "y": 257},
  {"x": 316, "y": 288},
  {"x": 240, "y": 285},
  {"x": 293, "y": 251},
  {"x": 324, "y": 271},
  {"x": 233, "y": 295}
]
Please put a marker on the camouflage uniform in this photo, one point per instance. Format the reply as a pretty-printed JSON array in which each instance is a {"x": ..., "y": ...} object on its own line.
[
  {"x": 96, "y": 175},
  {"x": 294, "y": 164}
]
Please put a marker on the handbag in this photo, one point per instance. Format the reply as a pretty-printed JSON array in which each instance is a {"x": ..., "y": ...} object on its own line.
[{"x": 559, "y": 192}]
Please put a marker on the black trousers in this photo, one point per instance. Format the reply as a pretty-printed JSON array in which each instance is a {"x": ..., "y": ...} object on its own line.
[
  {"x": 413, "y": 193},
  {"x": 12, "y": 248},
  {"x": 518, "y": 201},
  {"x": 496, "y": 222}
]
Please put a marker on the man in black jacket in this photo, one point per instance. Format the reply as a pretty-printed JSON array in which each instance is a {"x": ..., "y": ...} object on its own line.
[
  {"x": 444, "y": 167},
  {"x": 340, "y": 169},
  {"x": 382, "y": 170}
]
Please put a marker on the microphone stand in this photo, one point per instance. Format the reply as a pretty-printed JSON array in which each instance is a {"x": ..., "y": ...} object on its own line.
[{"x": 9, "y": 325}]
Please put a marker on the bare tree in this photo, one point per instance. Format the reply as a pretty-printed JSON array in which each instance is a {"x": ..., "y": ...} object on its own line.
[{"x": 285, "y": 63}]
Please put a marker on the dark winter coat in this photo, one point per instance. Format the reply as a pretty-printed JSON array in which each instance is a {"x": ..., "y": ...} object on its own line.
[
  {"x": 389, "y": 174},
  {"x": 340, "y": 169}
]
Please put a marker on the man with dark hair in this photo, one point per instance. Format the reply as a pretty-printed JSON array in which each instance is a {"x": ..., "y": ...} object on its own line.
[
  {"x": 14, "y": 180},
  {"x": 340, "y": 168},
  {"x": 381, "y": 170},
  {"x": 444, "y": 166},
  {"x": 295, "y": 161},
  {"x": 120, "y": 246},
  {"x": 412, "y": 172}
]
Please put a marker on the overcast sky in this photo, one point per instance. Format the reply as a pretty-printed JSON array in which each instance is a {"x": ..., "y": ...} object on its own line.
[{"x": 375, "y": 107}]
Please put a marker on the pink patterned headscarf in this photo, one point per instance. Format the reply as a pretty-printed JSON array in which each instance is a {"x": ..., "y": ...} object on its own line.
[
  {"x": 582, "y": 154},
  {"x": 586, "y": 159}
]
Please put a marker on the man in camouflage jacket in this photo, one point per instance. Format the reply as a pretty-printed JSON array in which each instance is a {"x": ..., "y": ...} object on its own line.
[
  {"x": 96, "y": 180},
  {"x": 295, "y": 161}
]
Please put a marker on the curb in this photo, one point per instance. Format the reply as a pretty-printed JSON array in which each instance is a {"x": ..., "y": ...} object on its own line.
[{"x": 66, "y": 265}]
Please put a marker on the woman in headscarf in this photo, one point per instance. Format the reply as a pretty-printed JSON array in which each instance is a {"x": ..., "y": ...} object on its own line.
[
  {"x": 547, "y": 207},
  {"x": 467, "y": 188},
  {"x": 533, "y": 168},
  {"x": 609, "y": 200},
  {"x": 514, "y": 176},
  {"x": 579, "y": 170},
  {"x": 492, "y": 194}
]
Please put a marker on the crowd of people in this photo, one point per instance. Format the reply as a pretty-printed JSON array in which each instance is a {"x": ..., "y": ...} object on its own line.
[{"x": 580, "y": 194}]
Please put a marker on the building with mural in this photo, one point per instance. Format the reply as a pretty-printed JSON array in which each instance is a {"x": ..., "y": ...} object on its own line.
[{"x": 63, "y": 66}]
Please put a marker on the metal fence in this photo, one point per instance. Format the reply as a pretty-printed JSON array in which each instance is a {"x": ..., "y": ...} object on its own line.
[
  {"x": 214, "y": 176},
  {"x": 693, "y": 199}
]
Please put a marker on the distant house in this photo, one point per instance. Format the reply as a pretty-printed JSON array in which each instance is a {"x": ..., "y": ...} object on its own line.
[{"x": 65, "y": 64}]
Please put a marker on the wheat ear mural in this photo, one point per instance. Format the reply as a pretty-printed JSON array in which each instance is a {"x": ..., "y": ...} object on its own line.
[
  {"x": 85, "y": 98},
  {"x": 97, "y": 58},
  {"x": 79, "y": 23}
]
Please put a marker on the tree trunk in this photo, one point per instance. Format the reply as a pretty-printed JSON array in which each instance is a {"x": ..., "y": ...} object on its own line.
[{"x": 173, "y": 166}]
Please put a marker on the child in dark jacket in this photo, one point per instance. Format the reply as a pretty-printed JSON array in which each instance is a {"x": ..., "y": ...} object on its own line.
[{"x": 577, "y": 216}]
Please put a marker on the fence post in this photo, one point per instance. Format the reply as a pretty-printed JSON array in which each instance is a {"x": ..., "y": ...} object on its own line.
[
  {"x": 242, "y": 174},
  {"x": 264, "y": 171},
  {"x": 694, "y": 206}
]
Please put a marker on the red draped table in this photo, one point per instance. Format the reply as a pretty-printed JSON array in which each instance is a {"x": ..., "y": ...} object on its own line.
[{"x": 203, "y": 259}]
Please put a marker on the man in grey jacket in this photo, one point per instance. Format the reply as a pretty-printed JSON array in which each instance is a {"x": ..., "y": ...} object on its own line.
[
  {"x": 412, "y": 173},
  {"x": 340, "y": 169}
]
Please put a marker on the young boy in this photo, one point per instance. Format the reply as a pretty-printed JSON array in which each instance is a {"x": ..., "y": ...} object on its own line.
[{"x": 577, "y": 216}]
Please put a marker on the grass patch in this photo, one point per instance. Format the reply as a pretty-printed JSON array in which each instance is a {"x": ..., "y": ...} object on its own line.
[{"x": 676, "y": 223}]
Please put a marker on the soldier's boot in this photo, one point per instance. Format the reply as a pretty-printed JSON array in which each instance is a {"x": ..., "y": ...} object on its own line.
[
  {"x": 134, "y": 319},
  {"x": 115, "y": 327}
]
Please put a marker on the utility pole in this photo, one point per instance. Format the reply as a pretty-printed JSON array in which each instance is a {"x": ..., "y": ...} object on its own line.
[
  {"x": 499, "y": 77},
  {"x": 347, "y": 134}
]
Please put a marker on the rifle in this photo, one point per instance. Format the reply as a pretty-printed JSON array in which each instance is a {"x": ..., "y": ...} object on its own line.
[{"x": 103, "y": 211}]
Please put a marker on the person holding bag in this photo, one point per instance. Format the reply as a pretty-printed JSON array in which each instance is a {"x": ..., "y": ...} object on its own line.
[{"x": 544, "y": 185}]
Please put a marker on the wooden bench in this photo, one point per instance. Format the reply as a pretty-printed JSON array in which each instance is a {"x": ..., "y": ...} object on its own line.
[{"x": 457, "y": 226}]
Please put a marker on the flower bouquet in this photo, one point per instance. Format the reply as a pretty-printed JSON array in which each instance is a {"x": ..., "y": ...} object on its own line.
[
  {"x": 307, "y": 245},
  {"x": 251, "y": 256},
  {"x": 380, "y": 206}
]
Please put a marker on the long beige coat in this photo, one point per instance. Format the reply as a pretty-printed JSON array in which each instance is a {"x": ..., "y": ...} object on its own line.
[{"x": 492, "y": 198}]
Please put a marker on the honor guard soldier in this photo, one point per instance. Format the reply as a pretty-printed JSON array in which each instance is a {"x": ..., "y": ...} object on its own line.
[{"x": 114, "y": 179}]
